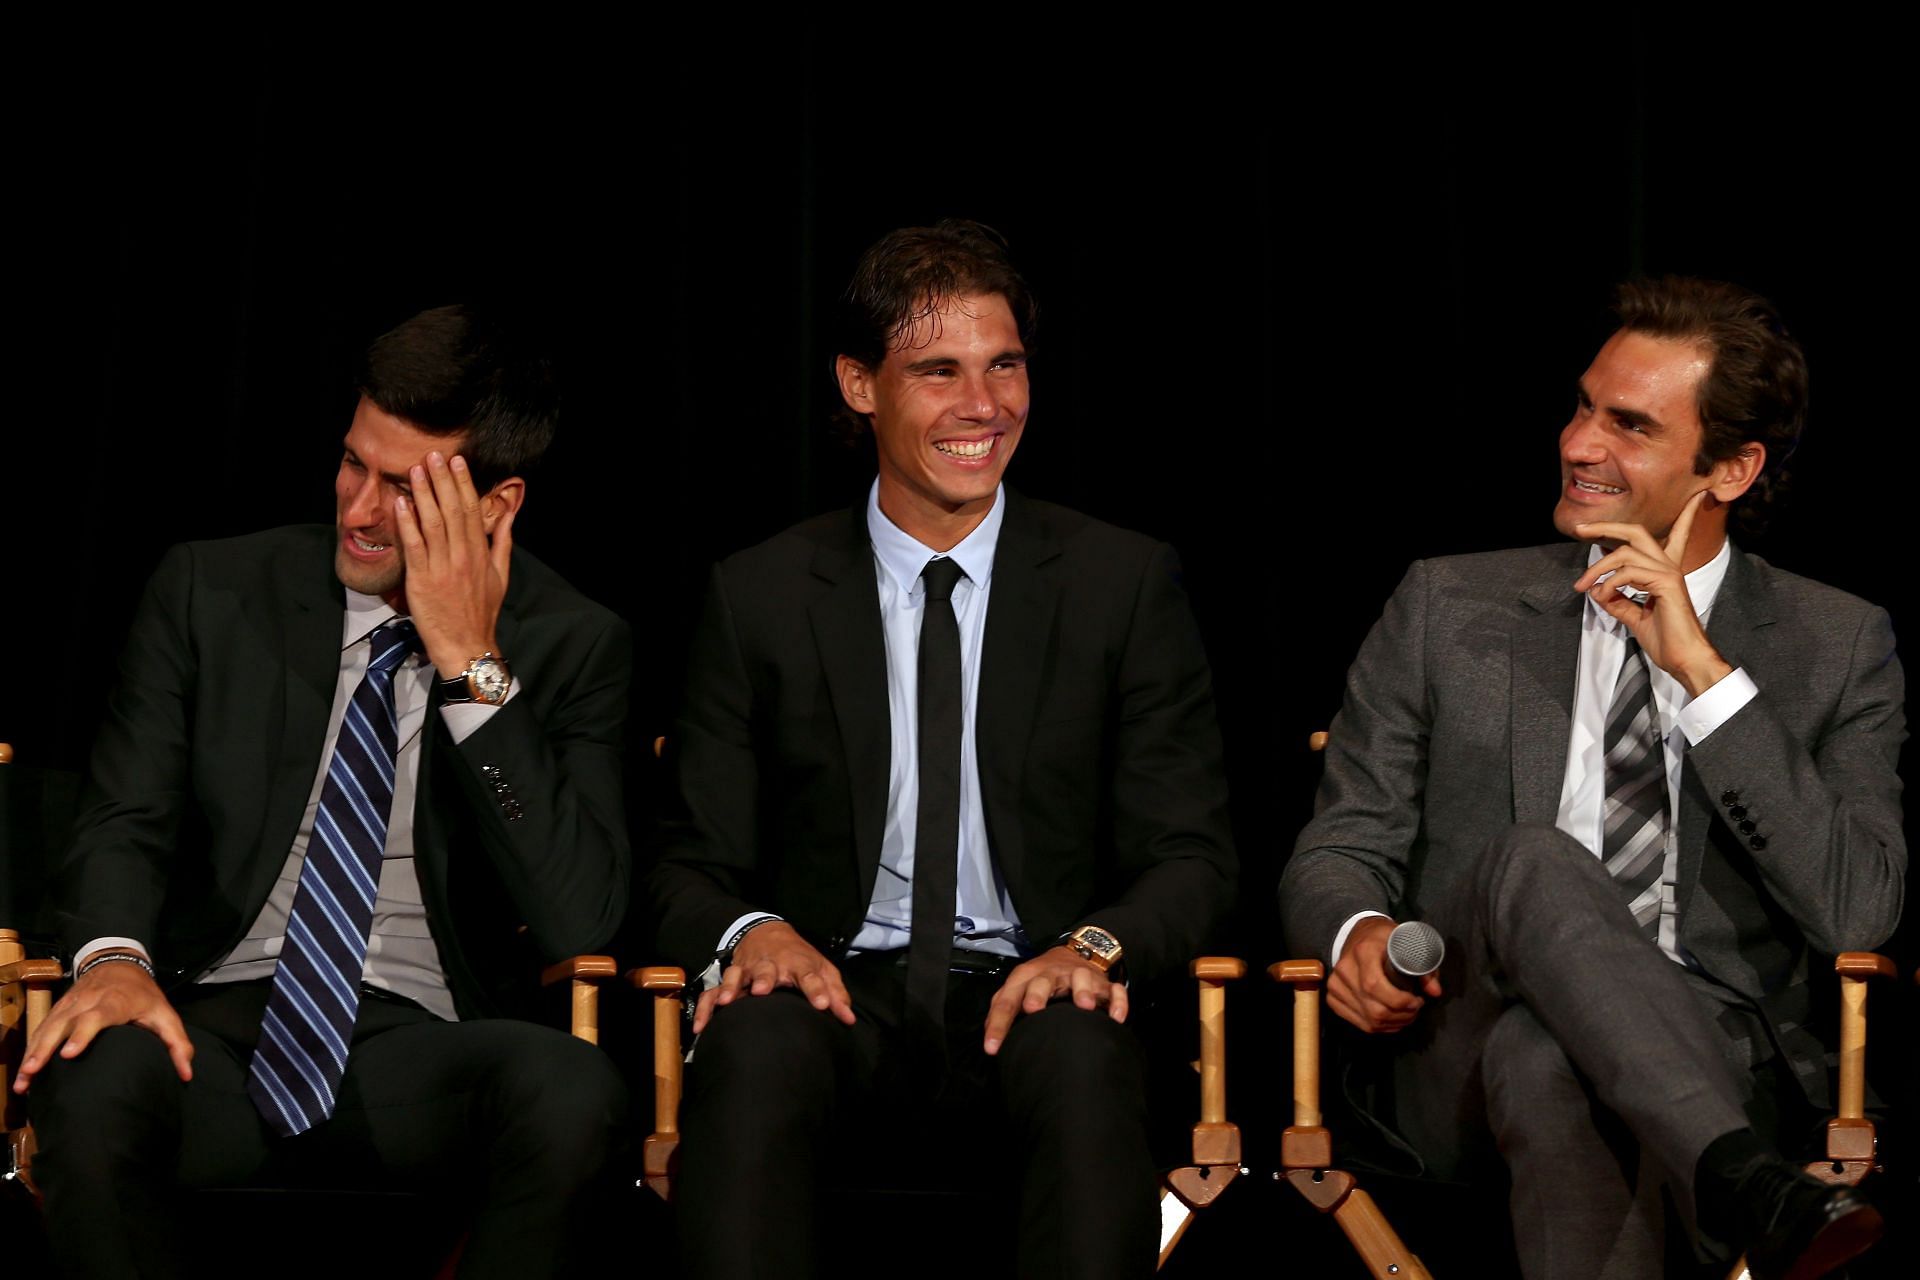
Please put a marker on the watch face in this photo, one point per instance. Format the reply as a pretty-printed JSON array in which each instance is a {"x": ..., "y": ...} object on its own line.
[
  {"x": 1098, "y": 941},
  {"x": 489, "y": 680}
]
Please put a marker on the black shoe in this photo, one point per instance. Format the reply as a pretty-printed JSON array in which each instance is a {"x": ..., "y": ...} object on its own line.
[{"x": 1799, "y": 1227}]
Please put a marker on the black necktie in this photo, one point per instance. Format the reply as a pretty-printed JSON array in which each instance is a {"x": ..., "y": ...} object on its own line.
[{"x": 936, "y": 834}]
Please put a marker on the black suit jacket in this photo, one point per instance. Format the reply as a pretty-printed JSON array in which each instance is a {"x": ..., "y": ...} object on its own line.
[
  {"x": 1456, "y": 723},
  {"x": 213, "y": 737},
  {"x": 1099, "y": 758}
]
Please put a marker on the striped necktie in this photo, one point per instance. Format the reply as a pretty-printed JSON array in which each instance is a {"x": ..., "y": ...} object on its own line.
[
  {"x": 1635, "y": 840},
  {"x": 304, "y": 1035}
]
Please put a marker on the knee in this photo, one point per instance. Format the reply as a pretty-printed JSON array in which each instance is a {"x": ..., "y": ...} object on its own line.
[
  {"x": 1066, "y": 1062},
  {"x": 775, "y": 1050},
  {"x": 1518, "y": 860},
  {"x": 566, "y": 1095},
  {"x": 120, "y": 1095}
]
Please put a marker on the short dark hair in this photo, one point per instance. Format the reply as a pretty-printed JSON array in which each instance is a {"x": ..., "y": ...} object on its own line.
[
  {"x": 1754, "y": 391},
  {"x": 914, "y": 272},
  {"x": 469, "y": 369}
]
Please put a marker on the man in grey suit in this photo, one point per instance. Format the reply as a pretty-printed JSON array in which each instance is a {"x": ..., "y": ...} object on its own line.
[{"x": 1639, "y": 782}]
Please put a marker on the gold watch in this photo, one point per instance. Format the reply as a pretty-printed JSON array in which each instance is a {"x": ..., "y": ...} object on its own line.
[{"x": 1096, "y": 946}]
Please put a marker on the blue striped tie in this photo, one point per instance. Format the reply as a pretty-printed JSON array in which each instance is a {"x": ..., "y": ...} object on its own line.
[{"x": 316, "y": 988}]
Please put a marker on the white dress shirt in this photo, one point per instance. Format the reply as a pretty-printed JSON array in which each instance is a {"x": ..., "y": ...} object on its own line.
[
  {"x": 401, "y": 956},
  {"x": 1683, "y": 721},
  {"x": 984, "y": 919}
]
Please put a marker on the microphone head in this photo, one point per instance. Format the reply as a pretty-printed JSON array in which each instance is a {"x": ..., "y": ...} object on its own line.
[{"x": 1415, "y": 948}]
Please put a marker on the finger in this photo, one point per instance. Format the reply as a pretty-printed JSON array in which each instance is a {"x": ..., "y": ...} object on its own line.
[
  {"x": 1349, "y": 1011},
  {"x": 1040, "y": 989},
  {"x": 1000, "y": 1017},
  {"x": 1432, "y": 986},
  {"x": 413, "y": 547},
  {"x": 1117, "y": 1006},
  {"x": 85, "y": 1028},
  {"x": 1683, "y": 527},
  {"x": 730, "y": 981},
  {"x": 814, "y": 988},
  {"x": 703, "y": 1008},
  {"x": 1633, "y": 535},
  {"x": 166, "y": 1024},
  {"x": 433, "y": 525},
  {"x": 1085, "y": 987},
  {"x": 46, "y": 1039},
  {"x": 839, "y": 1002},
  {"x": 459, "y": 505},
  {"x": 1616, "y": 562},
  {"x": 766, "y": 976}
]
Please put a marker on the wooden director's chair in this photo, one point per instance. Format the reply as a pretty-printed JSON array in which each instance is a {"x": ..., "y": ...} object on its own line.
[{"x": 1216, "y": 1140}]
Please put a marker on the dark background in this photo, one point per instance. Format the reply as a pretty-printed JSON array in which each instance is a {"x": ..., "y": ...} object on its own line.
[{"x": 1312, "y": 307}]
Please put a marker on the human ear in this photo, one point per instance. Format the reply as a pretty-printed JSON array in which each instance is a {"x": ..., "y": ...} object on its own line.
[
  {"x": 856, "y": 383},
  {"x": 1733, "y": 476},
  {"x": 502, "y": 499}
]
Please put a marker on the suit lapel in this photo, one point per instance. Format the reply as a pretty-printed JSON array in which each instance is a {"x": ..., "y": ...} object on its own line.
[
  {"x": 1546, "y": 655},
  {"x": 311, "y": 617},
  {"x": 1741, "y": 613},
  {"x": 853, "y": 653},
  {"x": 1020, "y": 613}
]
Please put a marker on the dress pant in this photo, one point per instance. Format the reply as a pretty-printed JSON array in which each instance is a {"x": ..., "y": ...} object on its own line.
[
  {"x": 773, "y": 1082},
  {"x": 1599, "y": 1068},
  {"x": 514, "y": 1118}
]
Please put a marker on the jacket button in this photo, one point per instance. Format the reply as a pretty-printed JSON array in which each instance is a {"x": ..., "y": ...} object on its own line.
[
  {"x": 836, "y": 944},
  {"x": 1737, "y": 812},
  {"x": 1757, "y": 843},
  {"x": 1748, "y": 827},
  {"x": 1729, "y": 797}
]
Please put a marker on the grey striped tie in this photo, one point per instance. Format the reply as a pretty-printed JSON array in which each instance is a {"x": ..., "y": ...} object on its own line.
[
  {"x": 1635, "y": 838},
  {"x": 316, "y": 987}
]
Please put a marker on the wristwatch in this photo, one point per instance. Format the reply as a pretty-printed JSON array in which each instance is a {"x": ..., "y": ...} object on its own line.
[
  {"x": 1096, "y": 946},
  {"x": 486, "y": 679}
]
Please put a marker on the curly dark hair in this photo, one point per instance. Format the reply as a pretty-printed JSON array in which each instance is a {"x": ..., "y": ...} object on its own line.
[
  {"x": 915, "y": 272},
  {"x": 1756, "y": 388}
]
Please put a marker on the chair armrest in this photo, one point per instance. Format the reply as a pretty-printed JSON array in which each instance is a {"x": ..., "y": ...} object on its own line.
[{"x": 583, "y": 972}]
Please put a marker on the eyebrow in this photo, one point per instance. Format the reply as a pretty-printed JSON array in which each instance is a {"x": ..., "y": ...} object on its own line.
[
  {"x": 1630, "y": 417},
  {"x": 937, "y": 362}
]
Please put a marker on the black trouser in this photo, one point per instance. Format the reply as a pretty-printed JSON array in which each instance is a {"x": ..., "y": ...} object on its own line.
[
  {"x": 772, "y": 1079},
  {"x": 514, "y": 1118}
]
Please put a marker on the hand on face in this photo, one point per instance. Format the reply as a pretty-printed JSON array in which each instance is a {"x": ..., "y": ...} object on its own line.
[
  {"x": 1364, "y": 988},
  {"x": 771, "y": 956},
  {"x": 455, "y": 580},
  {"x": 1032, "y": 986},
  {"x": 1664, "y": 624}
]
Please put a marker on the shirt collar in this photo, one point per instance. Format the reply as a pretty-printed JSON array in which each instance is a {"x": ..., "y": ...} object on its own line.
[
  {"x": 903, "y": 556},
  {"x": 365, "y": 615},
  {"x": 1703, "y": 584}
]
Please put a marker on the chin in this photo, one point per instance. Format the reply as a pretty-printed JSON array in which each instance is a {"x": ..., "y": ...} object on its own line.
[{"x": 368, "y": 580}]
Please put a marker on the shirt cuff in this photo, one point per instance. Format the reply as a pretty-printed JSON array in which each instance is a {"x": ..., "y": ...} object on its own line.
[
  {"x": 465, "y": 718},
  {"x": 1717, "y": 705},
  {"x": 731, "y": 937},
  {"x": 109, "y": 944},
  {"x": 1340, "y": 938}
]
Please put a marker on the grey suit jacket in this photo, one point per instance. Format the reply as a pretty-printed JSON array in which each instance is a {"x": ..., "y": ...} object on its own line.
[{"x": 1455, "y": 725}]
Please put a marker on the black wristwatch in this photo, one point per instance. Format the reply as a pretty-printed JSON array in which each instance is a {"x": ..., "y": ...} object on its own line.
[{"x": 486, "y": 679}]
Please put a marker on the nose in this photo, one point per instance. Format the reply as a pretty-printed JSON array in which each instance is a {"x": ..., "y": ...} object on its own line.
[
  {"x": 975, "y": 402},
  {"x": 365, "y": 508},
  {"x": 1580, "y": 442}
]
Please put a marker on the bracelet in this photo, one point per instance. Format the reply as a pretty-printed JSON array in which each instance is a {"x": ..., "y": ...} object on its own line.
[
  {"x": 726, "y": 953},
  {"x": 113, "y": 957}
]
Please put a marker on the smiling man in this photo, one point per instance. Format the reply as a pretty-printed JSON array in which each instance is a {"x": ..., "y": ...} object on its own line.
[
  {"x": 355, "y": 785},
  {"x": 949, "y": 779},
  {"x": 1641, "y": 783}
]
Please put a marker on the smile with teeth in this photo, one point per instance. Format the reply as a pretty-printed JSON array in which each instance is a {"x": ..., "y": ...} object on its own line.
[
  {"x": 966, "y": 448},
  {"x": 364, "y": 545},
  {"x": 1588, "y": 486}
]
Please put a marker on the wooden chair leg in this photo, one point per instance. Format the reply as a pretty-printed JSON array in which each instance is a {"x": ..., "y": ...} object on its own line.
[
  {"x": 1852, "y": 1148},
  {"x": 1216, "y": 1140},
  {"x": 1306, "y": 1148},
  {"x": 660, "y": 1153}
]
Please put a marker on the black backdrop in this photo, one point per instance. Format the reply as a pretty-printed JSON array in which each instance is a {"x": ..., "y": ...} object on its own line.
[{"x": 1312, "y": 307}]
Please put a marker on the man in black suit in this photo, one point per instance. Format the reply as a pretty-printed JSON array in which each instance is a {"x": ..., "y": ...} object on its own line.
[
  {"x": 949, "y": 773},
  {"x": 1641, "y": 781},
  {"x": 347, "y": 776}
]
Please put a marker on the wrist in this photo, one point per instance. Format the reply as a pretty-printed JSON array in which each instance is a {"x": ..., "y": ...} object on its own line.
[
  {"x": 449, "y": 659},
  {"x": 116, "y": 960},
  {"x": 1701, "y": 674}
]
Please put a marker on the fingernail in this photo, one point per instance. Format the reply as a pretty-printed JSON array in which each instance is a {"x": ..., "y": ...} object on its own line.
[
  {"x": 459, "y": 463},
  {"x": 434, "y": 457}
]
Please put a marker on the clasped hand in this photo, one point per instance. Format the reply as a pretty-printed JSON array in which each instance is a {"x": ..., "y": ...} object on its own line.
[{"x": 455, "y": 579}]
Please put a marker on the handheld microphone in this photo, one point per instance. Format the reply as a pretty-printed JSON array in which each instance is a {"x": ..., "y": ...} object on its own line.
[{"x": 1415, "y": 949}]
